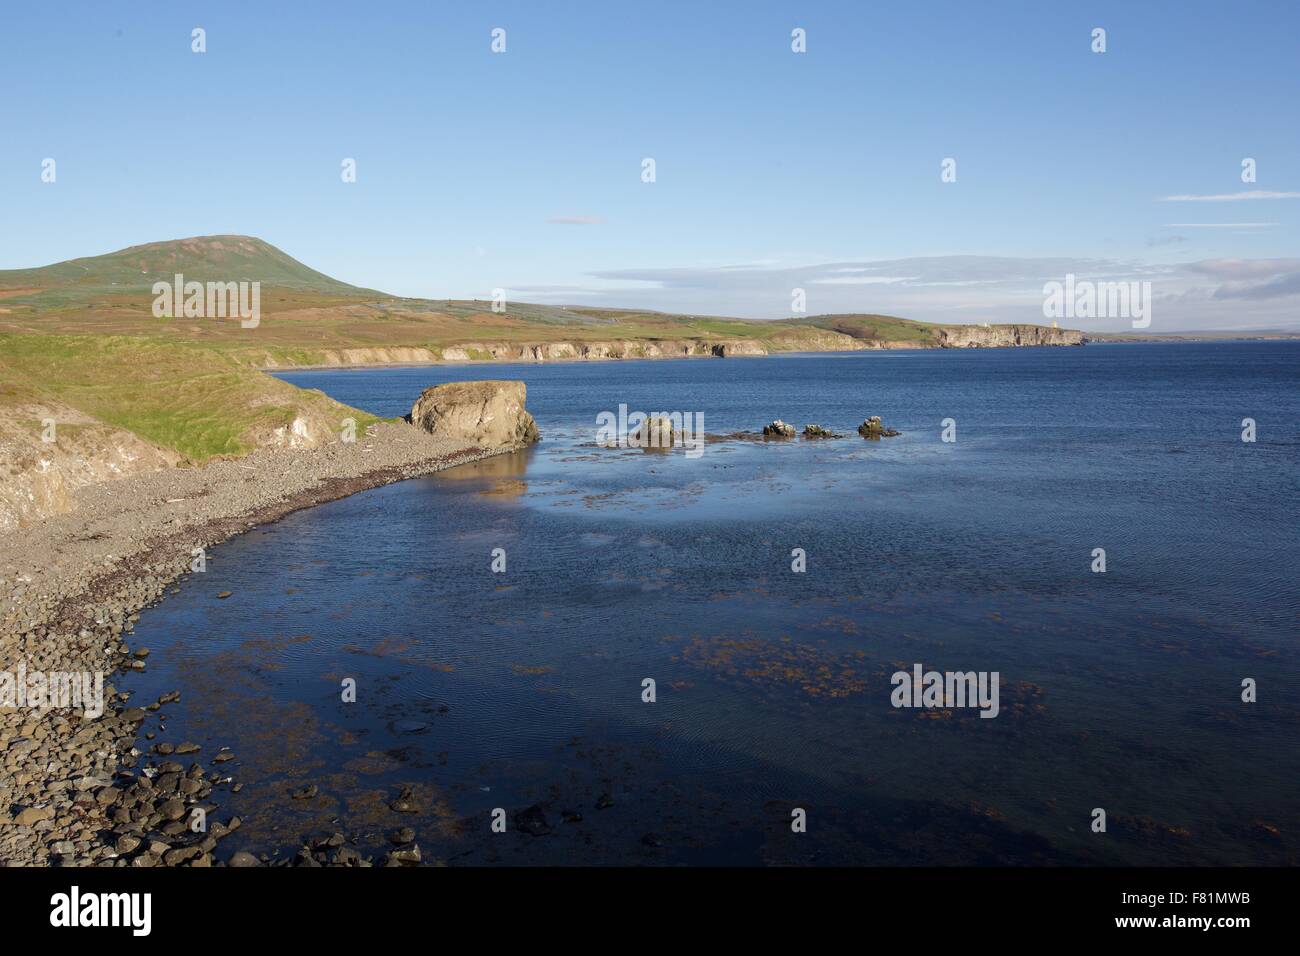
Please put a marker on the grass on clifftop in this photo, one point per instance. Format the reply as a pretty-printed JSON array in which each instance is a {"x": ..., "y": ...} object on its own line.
[
  {"x": 874, "y": 328},
  {"x": 196, "y": 401}
]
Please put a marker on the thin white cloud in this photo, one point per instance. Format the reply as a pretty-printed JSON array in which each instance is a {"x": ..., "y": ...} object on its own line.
[
  {"x": 864, "y": 280},
  {"x": 1243, "y": 269},
  {"x": 1284, "y": 286},
  {"x": 575, "y": 220},
  {"x": 1204, "y": 294},
  {"x": 562, "y": 294},
  {"x": 1219, "y": 225},
  {"x": 1231, "y": 197}
]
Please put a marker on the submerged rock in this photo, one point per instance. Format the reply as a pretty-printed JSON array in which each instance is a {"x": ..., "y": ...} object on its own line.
[
  {"x": 405, "y": 801},
  {"x": 408, "y": 726},
  {"x": 490, "y": 414},
  {"x": 532, "y": 821}
]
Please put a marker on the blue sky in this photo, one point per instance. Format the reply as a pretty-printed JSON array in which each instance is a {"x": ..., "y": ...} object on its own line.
[{"x": 774, "y": 169}]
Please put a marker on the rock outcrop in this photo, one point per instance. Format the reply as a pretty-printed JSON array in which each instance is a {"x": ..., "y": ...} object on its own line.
[
  {"x": 654, "y": 432},
  {"x": 489, "y": 414},
  {"x": 816, "y": 431},
  {"x": 779, "y": 429},
  {"x": 872, "y": 428}
]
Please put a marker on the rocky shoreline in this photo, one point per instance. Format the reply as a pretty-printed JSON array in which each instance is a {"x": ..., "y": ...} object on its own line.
[{"x": 77, "y": 789}]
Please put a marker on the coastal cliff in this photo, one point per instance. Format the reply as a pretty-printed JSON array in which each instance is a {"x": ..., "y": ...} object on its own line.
[
  {"x": 560, "y": 351},
  {"x": 784, "y": 340},
  {"x": 40, "y": 478},
  {"x": 1005, "y": 336}
]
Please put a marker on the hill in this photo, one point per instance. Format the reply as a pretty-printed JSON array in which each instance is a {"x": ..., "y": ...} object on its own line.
[{"x": 202, "y": 258}]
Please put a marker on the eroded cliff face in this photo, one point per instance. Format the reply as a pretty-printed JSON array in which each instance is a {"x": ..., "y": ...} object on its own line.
[
  {"x": 1006, "y": 336},
  {"x": 612, "y": 349},
  {"x": 740, "y": 348},
  {"x": 811, "y": 340},
  {"x": 339, "y": 358},
  {"x": 309, "y": 428},
  {"x": 38, "y": 477},
  {"x": 793, "y": 340},
  {"x": 815, "y": 340},
  {"x": 570, "y": 351}
]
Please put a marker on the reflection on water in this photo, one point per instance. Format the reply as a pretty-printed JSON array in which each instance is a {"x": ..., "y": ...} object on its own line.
[
  {"x": 502, "y": 466},
  {"x": 481, "y": 690}
]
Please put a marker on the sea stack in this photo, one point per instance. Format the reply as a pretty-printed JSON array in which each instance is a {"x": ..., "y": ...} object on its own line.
[{"x": 489, "y": 414}]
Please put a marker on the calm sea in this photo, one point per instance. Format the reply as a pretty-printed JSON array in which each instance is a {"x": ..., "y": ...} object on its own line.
[{"x": 1119, "y": 691}]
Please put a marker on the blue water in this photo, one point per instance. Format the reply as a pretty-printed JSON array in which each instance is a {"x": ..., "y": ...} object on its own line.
[{"x": 1119, "y": 690}]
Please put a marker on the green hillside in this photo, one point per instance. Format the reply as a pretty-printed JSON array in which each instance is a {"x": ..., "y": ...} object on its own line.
[
  {"x": 197, "y": 402},
  {"x": 872, "y": 328},
  {"x": 201, "y": 258}
]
